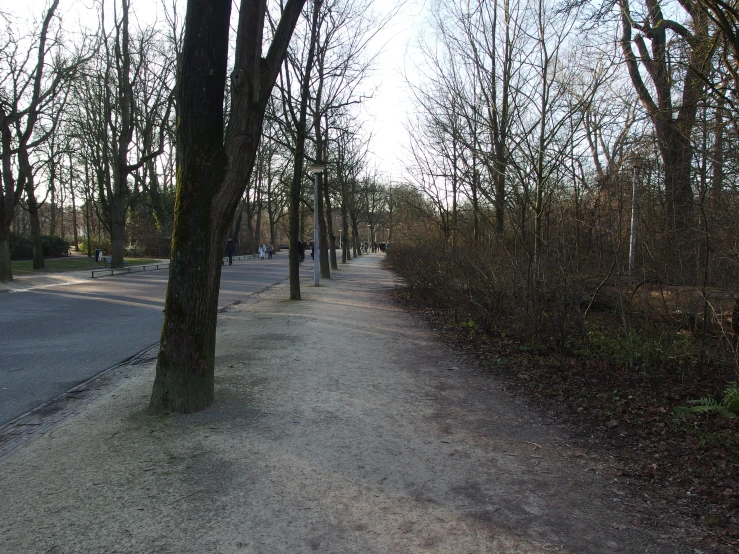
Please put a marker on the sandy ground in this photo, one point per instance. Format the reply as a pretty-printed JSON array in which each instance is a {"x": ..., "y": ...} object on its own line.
[
  {"x": 41, "y": 280},
  {"x": 340, "y": 425}
]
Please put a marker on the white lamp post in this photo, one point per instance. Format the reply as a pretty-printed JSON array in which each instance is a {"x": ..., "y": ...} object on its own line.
[{"x": 315, "y": 169}]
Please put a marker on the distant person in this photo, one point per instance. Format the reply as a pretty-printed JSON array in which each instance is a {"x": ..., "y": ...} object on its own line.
[
  {"x": 262, "y": 251},
  {"x": 230, "y": 249},
  {"x": 301, "y": 251},
  {"x": 312, "y": 250},
  {"x": 270, "y": 250}
]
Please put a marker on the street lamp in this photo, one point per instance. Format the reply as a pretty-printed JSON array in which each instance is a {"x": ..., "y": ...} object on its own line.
[{"x": 315, "y": 169}]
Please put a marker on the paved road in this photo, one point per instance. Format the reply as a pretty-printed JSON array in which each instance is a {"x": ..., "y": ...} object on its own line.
[{"x": 54, "y": 338}]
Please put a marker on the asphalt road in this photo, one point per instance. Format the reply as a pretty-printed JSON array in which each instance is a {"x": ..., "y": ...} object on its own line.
[{"x": 52, "y": 339}]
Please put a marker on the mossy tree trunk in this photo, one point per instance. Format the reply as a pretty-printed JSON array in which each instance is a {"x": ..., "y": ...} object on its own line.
[
  {"x": 211, "y": 179},
  {"x": 184, "y": 373}
]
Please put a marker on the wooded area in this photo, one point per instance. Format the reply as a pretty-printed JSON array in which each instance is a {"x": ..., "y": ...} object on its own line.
[{"x": 571, "y": 219}]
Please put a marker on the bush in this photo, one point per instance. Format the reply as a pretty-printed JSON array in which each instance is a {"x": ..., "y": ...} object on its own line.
[
  {"x": 134, "y": 251},
  {"x": 21, "y": 248},
  {"x": 484, "y": 282},
  {"x": 103, "y": 244},
  {"x": 54, "y": 246}
]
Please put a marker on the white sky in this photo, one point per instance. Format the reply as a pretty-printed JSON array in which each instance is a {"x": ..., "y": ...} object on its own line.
[{"x": 385, "y": 113}]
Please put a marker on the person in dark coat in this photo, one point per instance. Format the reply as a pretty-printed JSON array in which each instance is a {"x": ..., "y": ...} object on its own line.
[
  {"x": 230, "y": 249},
  {"x": 301, "y": 251}
]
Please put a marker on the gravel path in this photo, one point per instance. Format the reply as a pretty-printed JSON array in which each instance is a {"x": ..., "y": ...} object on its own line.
[{"x": 340, "y": 425}]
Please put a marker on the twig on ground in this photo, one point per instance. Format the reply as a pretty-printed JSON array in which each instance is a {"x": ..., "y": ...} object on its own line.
[{"x": 419, "y": 488}]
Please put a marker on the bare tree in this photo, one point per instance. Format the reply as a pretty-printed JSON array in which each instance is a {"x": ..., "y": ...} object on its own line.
[
  {"x": 212, "y": 176},
  {"x": 28, "y": 90},
  {"x": 672, "y": 99}
]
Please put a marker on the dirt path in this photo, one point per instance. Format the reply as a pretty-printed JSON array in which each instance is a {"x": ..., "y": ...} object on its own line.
[{"x": 340, "y": 425}]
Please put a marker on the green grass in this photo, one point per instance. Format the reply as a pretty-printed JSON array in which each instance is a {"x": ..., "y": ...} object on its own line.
[{"x": 25, "y": 267}]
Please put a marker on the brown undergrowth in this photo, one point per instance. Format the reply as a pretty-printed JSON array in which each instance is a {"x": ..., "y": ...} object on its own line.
[{"x": 688, "y": 467}]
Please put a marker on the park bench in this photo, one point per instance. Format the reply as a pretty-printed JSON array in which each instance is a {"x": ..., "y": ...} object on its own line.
[
  {"x": 109, "y": 271},
  {"x": 240, "y": 257}
]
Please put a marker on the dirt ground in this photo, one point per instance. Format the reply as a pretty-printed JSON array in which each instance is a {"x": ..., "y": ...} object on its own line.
[{"x": 341, "y": 424}]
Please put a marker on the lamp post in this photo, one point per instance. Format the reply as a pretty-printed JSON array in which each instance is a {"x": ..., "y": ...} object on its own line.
[{"x": 315, "y": 169}]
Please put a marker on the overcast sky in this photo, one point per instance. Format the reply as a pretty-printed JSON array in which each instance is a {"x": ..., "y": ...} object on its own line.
[{"x": 385, "y": 113}]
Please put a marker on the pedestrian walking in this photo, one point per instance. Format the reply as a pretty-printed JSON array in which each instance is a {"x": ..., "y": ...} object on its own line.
[
  {"x": 270, "y": 250},
  {"x": 230, "y": 250},
  {"x": 262, "y": 251},
  {"x": 301, "y": 251}
]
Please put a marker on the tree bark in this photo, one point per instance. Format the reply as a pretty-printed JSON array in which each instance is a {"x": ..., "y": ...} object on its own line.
[
  {"x": 6, "y": 273},
  {"x": 211, "y": 180},
  {"x": 33, "y": 216},
  {"x": 33, "y": 209},
  {"x": 185, "y": 364},
  {"x": 322, "y": 234}
]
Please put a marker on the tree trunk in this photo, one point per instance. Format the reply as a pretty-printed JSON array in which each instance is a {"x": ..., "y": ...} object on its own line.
[
  {"x": 236, "y": 231},
  {"x": 211, "y": 180},
  {"x": 296, "y": 214},
  {"x": 717, "y": 162},
  {"x": 52, "y": 200},
  {"x": 6, "y": 270},
  {"x": 88, "y": 201},
  {"x": 258, "y": 225},
  {"x": 117, "y": 230},
  {"x": 330, "y": 226},
  {"x": 161, "y": 217},
  {"x": 345, "y": 231},
  {"x": 185, "y": 366},
  {"x": 677, "y": 153},
  {"x": 322, "y": 235},
  {"x": 120, "y": 163},
  {"x": 33, "y": 208},
  {"x": 500, "y": 171},
  {"x": 74, "y": 225}
]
